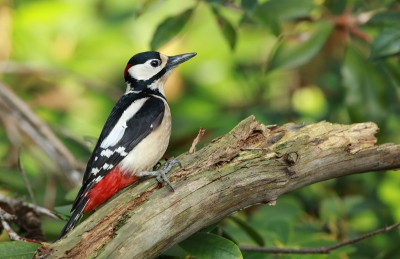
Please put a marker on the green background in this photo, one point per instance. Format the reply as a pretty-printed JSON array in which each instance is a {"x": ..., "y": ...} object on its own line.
[{"x": 281, "y": 60}]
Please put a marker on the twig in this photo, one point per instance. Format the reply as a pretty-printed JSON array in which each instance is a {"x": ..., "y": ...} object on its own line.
[
  {"x": 319, "y": 250},
  {"x": 197, "y": 140},
  {"x": 27, "y": 184},
  {"x": 351, "y": 23},
  {"x": 23, "y": 69},
  {"x": 37, "y": 208},
  {"x": 4, "y": 216}
]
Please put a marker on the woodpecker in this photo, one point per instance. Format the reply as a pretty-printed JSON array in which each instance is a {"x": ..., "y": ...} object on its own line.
[{"x": 134, "y": 137}]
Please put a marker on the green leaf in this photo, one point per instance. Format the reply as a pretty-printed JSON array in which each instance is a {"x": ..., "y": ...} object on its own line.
[
  {"x": 336, "y": 7},
  {"x": 282, "y": 229},
  {"x": 289, "y": 53},
  {"x": 216, "y": 1},
  {"x": 210, "y": 228},
  {"x": 272, "y": 13},
  {"x": 249, "y": 230},
  {"x": 175, "y": 251},
  {"x": 353, "y": 204},
  {"x": 204, "y": 246},
  {"x": 387, "y": 17},
  {"x": 285, "y": 10},
  {"x": 365, "y": 86},
  {"x": 146, "y": 6},
  {"x": 18, "y": 250},
  {"x": 71, "y": 194},
  {"x": 386, "y": 44},
  {"x": 169, "y": 28},
  {"x": 331, "y": 209},
  {"x": 249, "y": 5},
  {"x": 270, "y": 21},
  {"x": 227, "y": 29},
  {"x": 63, "y": 212}
]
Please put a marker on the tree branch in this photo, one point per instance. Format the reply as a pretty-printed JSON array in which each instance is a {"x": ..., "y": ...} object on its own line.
[
  {"x": 318, "y": 250},
  {"x": 18, "y": 119},
  {"x": 4, "y": 217},
  {"x": 249, "y": 165}
]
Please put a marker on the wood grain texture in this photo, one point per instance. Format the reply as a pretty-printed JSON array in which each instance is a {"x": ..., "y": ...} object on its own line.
[{"x": 251, "y": 164}]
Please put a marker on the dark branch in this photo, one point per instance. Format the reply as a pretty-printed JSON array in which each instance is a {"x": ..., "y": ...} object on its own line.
[
  {"x": 319, "y": 250},
  {"x": 4, "y": 217}
]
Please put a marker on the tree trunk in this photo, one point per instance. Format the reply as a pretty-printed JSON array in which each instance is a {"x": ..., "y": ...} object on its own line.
[{"x": 251, "y": 164}]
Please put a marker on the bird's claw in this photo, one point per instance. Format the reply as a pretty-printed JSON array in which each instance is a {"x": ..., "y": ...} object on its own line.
[{"x": 161, "y": 175}]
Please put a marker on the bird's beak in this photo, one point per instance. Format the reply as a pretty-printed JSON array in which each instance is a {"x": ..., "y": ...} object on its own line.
[{"x": 178, "y": 59}]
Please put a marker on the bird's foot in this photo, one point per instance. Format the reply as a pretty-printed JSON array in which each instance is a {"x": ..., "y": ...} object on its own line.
[{"x": 161, "y": 175}]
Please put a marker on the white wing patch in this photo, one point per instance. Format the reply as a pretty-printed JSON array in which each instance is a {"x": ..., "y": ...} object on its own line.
[
  {"x": 95, "y": 170},
  {"x": 106, "y": 152},
  {"x": 121, "y": 151},
  {"x": 119, "y": 129}
]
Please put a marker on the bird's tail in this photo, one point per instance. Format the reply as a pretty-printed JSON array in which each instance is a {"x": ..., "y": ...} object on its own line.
[{"x": 75, "y": 217}]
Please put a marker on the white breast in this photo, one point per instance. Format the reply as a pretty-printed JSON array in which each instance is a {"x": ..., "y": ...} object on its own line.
[{"x": 151, "y": 149}]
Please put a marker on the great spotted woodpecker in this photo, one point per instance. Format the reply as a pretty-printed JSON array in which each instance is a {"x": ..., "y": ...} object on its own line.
[{"x": 135, "y": 136}]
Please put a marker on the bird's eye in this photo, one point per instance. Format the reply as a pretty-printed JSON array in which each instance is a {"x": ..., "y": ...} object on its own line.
[{"x": 155, "y": 63}]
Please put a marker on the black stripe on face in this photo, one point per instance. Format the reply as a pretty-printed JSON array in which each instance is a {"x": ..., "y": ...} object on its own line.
[{"x": 140, "y": 85}]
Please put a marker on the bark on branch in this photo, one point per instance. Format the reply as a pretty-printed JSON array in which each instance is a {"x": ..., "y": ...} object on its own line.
[{"x": 251, "y": 164}]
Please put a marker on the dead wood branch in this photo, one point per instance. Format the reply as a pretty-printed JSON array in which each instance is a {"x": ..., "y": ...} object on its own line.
[
  {"x": 18, "y": 119},
  {"x": 196, "y": 141},
  {"x": 249, "y": 165},
  {"x": 15, "y": 202},
  {"x": 25, "y": 216}
]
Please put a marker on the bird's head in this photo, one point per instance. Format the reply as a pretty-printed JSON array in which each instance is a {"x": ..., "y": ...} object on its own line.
[{"x": 151, "y": 70}]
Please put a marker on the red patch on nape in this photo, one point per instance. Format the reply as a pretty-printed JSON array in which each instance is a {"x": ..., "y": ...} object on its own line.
[
  {"x": 107, "y": 187},
  {"x": 128, "y": 66}
]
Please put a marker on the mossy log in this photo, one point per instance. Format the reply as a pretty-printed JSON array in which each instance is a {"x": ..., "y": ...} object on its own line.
[{"x": 251, "y": 164}]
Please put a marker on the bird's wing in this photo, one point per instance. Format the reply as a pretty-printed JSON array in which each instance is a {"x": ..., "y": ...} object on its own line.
[{"x": 133, "y": 118}]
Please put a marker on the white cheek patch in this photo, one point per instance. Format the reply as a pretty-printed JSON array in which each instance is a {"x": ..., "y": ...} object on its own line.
[
  {"x": 144, "y": 71},
  {"x": 118, "y": 131}
]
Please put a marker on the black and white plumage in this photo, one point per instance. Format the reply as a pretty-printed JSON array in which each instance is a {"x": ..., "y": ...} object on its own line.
[{"x": 135, "y": 135}]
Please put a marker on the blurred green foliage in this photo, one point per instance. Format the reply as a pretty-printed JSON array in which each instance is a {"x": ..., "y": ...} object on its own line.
[{"x": 281, "y": 60}]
